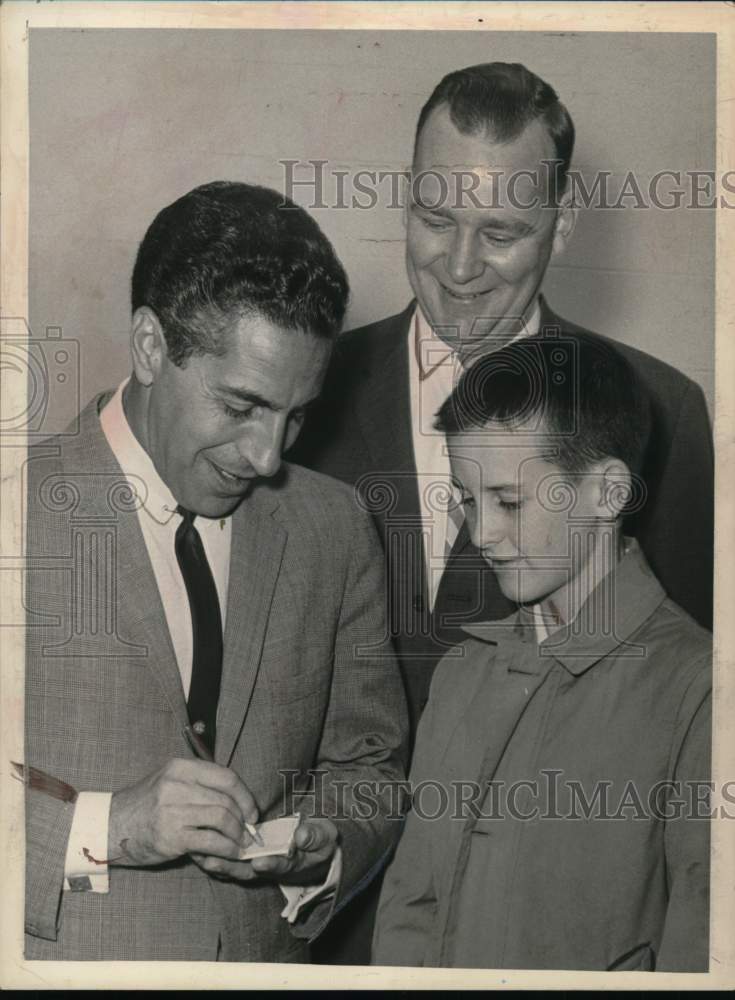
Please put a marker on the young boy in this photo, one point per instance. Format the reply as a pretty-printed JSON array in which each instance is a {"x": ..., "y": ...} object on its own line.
[{"x": 560, "y": 775}]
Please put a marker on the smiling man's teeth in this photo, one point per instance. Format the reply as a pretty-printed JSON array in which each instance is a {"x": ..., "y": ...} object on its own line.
[
  {"x": 230, "y": 475},
  {"x": 465, "y": 295}
]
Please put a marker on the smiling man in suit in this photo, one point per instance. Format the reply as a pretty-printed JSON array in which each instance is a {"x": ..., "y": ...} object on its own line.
[
  {"x": 188, "y": 592},
  {"x": 489, "y": 206}
]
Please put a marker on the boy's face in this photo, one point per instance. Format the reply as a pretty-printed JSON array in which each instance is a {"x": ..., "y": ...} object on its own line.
[{"x": 521, "y": 508}]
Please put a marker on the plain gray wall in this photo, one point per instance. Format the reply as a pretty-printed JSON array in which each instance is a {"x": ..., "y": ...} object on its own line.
[{"x": 124, "y": 121}]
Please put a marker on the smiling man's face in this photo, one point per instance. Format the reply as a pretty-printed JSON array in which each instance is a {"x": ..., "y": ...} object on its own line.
[
  {"x": 223, "y": 420},
  {"x": 476, "y": 260}
]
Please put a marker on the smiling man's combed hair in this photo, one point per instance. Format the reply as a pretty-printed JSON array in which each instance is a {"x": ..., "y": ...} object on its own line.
[
  {"x": 501, "y": 100},
  {"x": 228, "y": 249},
  {"x": 579, "y": 393}
]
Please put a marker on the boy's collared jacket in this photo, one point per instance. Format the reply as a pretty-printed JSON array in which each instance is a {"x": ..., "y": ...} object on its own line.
[{"x": 560, "y": 795}]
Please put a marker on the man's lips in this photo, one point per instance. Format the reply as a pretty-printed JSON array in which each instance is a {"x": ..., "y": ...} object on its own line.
[
  {"x": 230, "y": 477},
  {"x": 464, "y": 296}
]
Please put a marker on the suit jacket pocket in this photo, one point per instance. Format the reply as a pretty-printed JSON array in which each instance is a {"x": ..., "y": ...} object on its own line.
[{"x": 639, "y": 959}]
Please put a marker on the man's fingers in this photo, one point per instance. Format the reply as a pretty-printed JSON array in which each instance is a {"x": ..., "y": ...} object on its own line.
[
  {"x": 314, "y": 835},
  {"x": 210, "y": 843},
  {"x": 272, "y": 865},
  {"x": 222, "y": 868},
  {"x": 308, "y": 837},
  {"x": 224, "y": 780},
  {"x": 219, "y": 818},
  {"x": 208, "y": 807}
]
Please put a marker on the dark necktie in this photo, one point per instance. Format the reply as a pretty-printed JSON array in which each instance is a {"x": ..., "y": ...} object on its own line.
[{"x": 206, "y": 624}]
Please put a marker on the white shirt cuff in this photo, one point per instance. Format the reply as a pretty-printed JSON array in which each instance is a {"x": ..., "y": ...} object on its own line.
[
  {"x": 297, "y": 896},
  {"x": 88, "y": 840}
]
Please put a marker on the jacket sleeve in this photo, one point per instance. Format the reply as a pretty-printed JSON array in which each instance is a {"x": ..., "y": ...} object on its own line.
[
  {"x": 678, "y": 537},
  {"x": 48, "y": 822},
  {"x": 685, "y": 941},
  {"x": 360, "y": 769},
  {"x": 407, "y": 908}
]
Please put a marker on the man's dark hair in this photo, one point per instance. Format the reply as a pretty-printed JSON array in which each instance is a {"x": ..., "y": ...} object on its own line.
[
  {"x": 501, "y": 100},
  {"x": 228, "y": 249},
  {"x": 578, "y": 392}
]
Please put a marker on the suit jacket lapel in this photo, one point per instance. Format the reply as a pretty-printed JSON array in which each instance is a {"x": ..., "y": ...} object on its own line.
[
  {"x": 141, "y": 604},
  {"x": 384, "y": 416},
  {"x": 258, "y": 541},
  {"x": 385, "y": 410},
  {"x": 138, "y": 605}
]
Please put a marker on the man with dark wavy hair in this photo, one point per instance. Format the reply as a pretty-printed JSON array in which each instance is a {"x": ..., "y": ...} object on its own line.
[
  {"x": 489, "y": 207},
  {"x": 222, "y": 634}
]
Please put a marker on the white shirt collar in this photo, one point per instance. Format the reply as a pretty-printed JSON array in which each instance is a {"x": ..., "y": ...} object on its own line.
[
  {"x": 432, "y": 352},
  {"x": 134, "y": 460}
]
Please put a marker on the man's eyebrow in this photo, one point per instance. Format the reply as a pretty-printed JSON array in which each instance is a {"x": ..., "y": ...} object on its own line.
[
  {"x": 432, "y": 208},
  {"x": 248, "y": 396},
  {"x": 514, "y": 227}
]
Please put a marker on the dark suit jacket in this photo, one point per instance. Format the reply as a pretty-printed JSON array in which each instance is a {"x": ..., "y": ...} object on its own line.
[
  {"x": 361, "y": 433},
  {"x": 309, "y": 681}
]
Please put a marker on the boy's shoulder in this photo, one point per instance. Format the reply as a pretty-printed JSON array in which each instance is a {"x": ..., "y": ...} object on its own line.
[{"x": 676, "y": 644}]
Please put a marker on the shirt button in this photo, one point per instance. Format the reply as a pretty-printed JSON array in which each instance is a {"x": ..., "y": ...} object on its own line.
[{"x": 199, "y": 728}]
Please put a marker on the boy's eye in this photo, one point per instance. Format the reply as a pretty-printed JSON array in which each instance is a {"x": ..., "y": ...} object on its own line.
[
  {"x": 466, "y": 500},
  {"x": 509, "y": 504}
]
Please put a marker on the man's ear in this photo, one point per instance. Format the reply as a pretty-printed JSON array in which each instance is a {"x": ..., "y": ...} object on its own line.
[
  {"x": 147, "y": 345},
  {"x": 614, "y": 488},
  {"x": 566, "y": 220},
  {"x": 407, "y": 202}
]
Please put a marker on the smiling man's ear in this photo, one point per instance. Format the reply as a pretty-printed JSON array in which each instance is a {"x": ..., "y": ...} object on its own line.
[
  {"x": 147, "y": 345},
  {"x": 566, "y": 220}
]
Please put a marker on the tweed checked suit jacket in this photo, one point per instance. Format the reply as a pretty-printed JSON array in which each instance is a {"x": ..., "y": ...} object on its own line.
[
  {"x": 361, "y": 433},
  {"x": 309, "y": 682}
]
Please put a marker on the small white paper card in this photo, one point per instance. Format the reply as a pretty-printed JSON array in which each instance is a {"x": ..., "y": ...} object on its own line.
[{"x": 277, "y": 837}]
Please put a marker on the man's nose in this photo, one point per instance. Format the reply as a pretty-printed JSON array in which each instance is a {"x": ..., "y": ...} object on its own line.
[
  {"x": 263, "y": 447},
  {"x": 463, "y": 262}
]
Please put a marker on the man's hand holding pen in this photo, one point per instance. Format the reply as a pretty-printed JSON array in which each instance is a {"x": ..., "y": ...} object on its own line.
[
  {"x": 186, "y": 807},
  {"x": 200, "y": 808}
]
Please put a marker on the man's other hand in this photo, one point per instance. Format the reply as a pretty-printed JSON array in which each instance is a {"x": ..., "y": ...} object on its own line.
[
  {"x": 314, "y": 844},
  {"x": 186, "y": 806}
]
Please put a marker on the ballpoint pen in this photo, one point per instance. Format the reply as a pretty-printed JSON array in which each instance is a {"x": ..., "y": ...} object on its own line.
[{"x": 200, "y": 749}]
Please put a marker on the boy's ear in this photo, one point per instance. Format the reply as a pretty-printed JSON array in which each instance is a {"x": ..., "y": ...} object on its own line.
[
  {"x": 614, "y": 485},
  {"x": 147, "y": 345}
]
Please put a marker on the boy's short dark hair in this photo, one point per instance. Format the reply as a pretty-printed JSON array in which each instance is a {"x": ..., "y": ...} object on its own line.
[
  {"x": 579, "y": 392},
  {"x": 227, "y": 249}
]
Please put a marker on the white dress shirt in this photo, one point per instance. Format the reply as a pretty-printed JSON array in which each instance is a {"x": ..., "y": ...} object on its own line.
[
  {"x": 158, "y": 521},
  {"x": 433, "y": 371}
]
